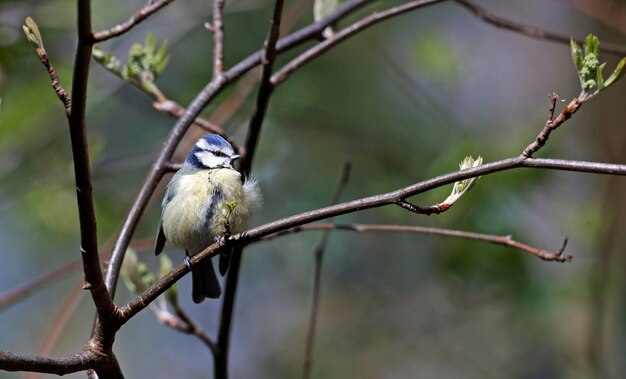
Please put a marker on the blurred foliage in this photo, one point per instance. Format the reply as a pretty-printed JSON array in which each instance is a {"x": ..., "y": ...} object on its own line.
[{"x": 404, "y": 101}]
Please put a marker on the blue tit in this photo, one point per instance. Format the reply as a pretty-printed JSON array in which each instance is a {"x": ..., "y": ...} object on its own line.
[{"x": 205, "y": 199}]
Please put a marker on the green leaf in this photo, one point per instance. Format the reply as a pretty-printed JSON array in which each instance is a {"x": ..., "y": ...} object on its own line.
[
  {"x": 617, "y": 73},
  {"x": 599, "y": 77},
  {"x": 576, "y": 55},
  {"x": 151, "y": 44},
  {"x": 592, "y": 45}
]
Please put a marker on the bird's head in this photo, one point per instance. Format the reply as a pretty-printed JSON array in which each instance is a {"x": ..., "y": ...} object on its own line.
[{"x": 212, "y": 151}]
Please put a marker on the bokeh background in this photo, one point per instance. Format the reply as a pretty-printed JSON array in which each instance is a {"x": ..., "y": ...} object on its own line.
[{"x": 404, "y": 101}]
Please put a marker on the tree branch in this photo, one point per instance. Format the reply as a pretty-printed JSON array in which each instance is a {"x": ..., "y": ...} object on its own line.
[
  {"x": 149, "y": 9},
  {"x": 58, "y": 366},
  {"x": 375, "y": 201},
  {"x": 84, "y": 192},
  {"x": 530, "y": 31}
]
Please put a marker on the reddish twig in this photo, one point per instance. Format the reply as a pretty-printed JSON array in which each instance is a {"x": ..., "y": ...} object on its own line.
[
  {"x": 556, "y": 256},
  {"x": 195, "y": 329},
  {"x": 551, "y": 125},
  {"x": 143, "y": 13},
  {"x": 317, "y": 278},
  {"x": 54, "y": 77}
]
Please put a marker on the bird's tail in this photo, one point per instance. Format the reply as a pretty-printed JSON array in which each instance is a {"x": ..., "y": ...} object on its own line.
[{"x": 204, "y": 282}]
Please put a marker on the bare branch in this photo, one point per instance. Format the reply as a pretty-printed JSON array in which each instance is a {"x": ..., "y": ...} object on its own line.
[
  {"x": 58, "y": 366},
  {"x": 343, "y": 34},
  {"x": 84, "y": 192},
  {"x": 556, "y": 256},
  {"x": 317, "y": 278},
  {"x": 530, "y": 31},
  {"x": 195, "y": 329},
  {"x": 551, "y": 125},
  {"x": 149, "y": 9}
]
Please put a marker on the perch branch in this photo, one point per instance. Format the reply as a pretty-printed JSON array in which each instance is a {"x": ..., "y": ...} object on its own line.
[{"x": 375, "y": 201}]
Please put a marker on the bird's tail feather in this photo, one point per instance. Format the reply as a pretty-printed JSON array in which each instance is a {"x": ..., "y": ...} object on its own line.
[{"x": 204, "y": 282}]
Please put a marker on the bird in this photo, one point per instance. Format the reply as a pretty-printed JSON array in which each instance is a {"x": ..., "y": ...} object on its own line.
[{"x": 206, "y": 199}]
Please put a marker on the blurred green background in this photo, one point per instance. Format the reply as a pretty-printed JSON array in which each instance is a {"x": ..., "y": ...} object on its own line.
[{"x": 404, "y": 101}]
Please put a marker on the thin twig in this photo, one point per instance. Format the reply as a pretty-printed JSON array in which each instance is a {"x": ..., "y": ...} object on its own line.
[
  {"x": 317, "y": 278},
  {"x": 551, "y": 125},
  {"x": 54, "y": 77},
  {"x": 195, "y": 329},
  {"x": 254, "y": 129},
  {"x": 149, "y": 9},
  {"x": 531, "y": 31},
  {"x": 253, "y": 234},
  {"x": 556, "y": 256},
  {"x": 343, "y": 34},
  {"x": 218, "y": 38}
]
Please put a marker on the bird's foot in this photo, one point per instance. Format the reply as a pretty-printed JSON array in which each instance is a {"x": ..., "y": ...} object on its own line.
[{"x": 187, "y": 261}]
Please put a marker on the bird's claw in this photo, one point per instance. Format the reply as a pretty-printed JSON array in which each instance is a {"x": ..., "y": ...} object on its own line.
[{"x": 187, "y": 261}]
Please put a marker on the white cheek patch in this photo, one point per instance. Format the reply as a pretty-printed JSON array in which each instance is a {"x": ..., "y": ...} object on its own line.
[{"x": 208, "y": 159}]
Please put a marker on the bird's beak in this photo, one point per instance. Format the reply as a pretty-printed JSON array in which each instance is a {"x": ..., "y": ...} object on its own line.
[{"x": 234, "y": 157}]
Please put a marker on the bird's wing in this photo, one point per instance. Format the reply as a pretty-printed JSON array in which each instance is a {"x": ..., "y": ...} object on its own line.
[{"x": 160, "y": 241}]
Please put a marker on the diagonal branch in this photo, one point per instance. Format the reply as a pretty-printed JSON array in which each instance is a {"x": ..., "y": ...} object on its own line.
[
  {"x": 530, "y": 31},
  {"x": 143, "y": 13}
]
